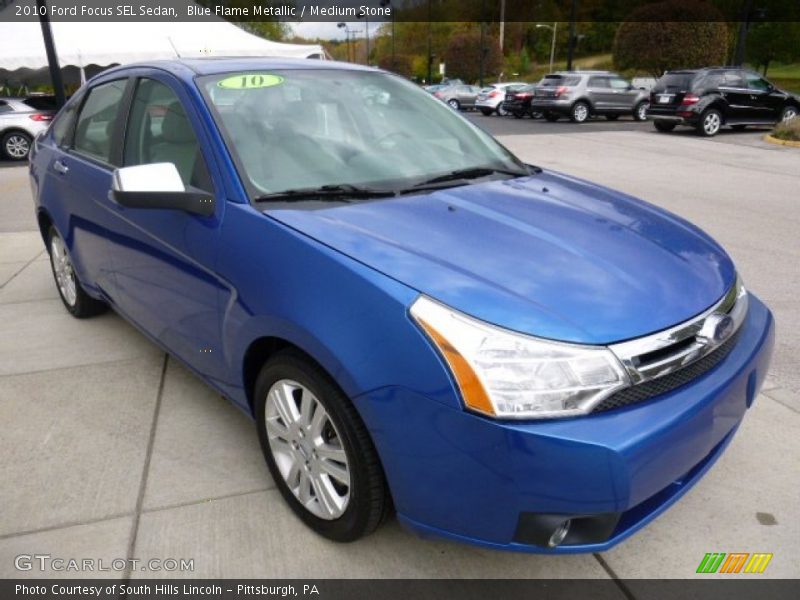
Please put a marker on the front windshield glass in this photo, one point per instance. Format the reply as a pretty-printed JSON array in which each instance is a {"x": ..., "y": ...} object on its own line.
[{"x": 307, "y": 128}]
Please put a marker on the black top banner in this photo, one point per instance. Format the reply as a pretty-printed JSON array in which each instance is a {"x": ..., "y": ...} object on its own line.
[{"x": 404, "y": 10}]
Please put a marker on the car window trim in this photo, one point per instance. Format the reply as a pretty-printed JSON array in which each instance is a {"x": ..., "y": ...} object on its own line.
[{"x": 115, "y": 131}]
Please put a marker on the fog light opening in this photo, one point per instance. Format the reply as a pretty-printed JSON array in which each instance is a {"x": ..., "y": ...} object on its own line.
[{"x": 559, "y": 534}]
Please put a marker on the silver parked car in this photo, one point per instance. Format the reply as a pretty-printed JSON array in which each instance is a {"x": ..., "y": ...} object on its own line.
[
  {"x": 21, "y": 120},
  {"x": 582, "y": 94},
  {"x": 491, "y": 98},
  {"x": 459, "y": 97}
]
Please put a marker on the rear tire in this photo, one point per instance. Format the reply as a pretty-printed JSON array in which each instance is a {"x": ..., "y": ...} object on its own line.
[
  {"x": 501, "y": 112},
  {"x": 580, "y": 112},
  {"x": 664, "y": 126},
  {"x": 334, "y": 464},
  {"x": 79, "y": 304},
  {"x": 16, "y": 145},
  {"x": 710, "y": 123}
]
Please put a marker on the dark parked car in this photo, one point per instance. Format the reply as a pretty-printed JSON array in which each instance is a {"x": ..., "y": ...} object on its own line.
[
  {"x": 582, "y": 94},
  {"x": 709, "y": 98},
  {"x": 21, "y": 120},
  {"x": 518, "y": 102}
]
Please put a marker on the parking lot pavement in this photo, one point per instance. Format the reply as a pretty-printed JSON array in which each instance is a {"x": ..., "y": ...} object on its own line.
[{"x": 112, "y": 451}]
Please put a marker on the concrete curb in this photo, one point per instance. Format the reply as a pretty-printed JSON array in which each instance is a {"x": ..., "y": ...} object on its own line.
[{"x": 774, "y": 140}]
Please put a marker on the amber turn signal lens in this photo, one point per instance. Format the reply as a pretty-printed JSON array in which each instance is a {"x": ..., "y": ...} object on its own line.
[{"x": 472, "y": 389}]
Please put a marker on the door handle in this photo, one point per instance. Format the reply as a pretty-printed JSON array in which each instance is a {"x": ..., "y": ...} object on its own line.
[{"x": 60, "y": 167}]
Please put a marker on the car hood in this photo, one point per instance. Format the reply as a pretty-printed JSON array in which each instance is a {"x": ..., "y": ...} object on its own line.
[{"x": 547, "y": 255}]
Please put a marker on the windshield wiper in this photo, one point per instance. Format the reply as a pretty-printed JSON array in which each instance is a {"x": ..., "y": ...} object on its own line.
[
  {"x": 470, "y": 173},
  {"x": 327, "y": 193}
]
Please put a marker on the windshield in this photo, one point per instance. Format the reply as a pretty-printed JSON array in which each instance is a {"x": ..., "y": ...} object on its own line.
[{"x": 302, "y": 129}]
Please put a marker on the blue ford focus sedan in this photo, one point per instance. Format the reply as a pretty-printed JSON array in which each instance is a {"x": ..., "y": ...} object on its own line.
[{"x": 417, "y": 321}]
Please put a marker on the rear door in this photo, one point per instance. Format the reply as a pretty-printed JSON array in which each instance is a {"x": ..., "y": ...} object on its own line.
[
  {"x": 734, "y": 91},
  {"x": 78, "y": 176},
  {"x": 600, "y": 93},
  {"x": 164, "y": 259}
]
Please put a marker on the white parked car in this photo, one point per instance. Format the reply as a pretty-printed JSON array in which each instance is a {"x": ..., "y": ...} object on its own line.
[
  {"x": 490, "y": 99},
  {"x": 21, "y": 120}
]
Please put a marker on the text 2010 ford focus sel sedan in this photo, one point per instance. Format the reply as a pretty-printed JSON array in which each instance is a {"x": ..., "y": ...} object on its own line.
[{"x": 416, "y": 319}]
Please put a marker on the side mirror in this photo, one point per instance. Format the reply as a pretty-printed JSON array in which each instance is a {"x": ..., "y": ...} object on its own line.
[{"x": 155, "y": 186}]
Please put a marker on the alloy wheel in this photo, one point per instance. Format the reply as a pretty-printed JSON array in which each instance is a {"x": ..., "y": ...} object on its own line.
[
  {"x": 789, "y": 113},
  {"x": 580, "y": 113},
  {"x": 63, "y": 271},
  {"x": 453, "y": 104},
  {"x": 17, "y": 146},
  {"x": 641, "y": 112},
  {"x": 307, "y": 449},
  {"x": 711, "y": 123}
]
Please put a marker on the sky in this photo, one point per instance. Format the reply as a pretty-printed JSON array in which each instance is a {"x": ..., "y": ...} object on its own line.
[{"x": 329, "y": 31}]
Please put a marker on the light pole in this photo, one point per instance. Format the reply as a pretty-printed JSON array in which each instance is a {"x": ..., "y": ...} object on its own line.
[
  {"x": 554, "y": 28},
  {"x": 366, "y": 22},
  {"x": 346, "y": 37}
]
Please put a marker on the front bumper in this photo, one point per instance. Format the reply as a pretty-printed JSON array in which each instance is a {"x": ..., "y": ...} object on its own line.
[{"x": 462, "y": 476}]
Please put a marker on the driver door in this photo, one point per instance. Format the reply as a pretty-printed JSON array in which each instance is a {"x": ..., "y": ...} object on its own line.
[{"x": 164, "y": 259}]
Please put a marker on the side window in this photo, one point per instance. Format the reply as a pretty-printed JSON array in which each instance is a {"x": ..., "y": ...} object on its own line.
[
  {"x": 159, "y": 131},
  {"x": 754, "y": 82},
  {"x": 597, "y": 82},
  {"x": 732, "y": 79},
  {"x": 97, "y": 120},
  {"x": 62, "y": 126},
  {"x": 4, "y": 107},
  {"x": 619, "y": 84}
]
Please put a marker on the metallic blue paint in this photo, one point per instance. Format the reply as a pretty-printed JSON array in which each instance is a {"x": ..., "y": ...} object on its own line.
[{"x": 574, "y": 261}]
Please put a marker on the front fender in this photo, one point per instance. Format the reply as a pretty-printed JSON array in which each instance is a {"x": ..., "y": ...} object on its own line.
[{"x": 348, "y": 317}]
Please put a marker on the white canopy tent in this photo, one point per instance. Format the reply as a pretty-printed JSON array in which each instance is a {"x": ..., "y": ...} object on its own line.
[{"x": 102, "y": 44}]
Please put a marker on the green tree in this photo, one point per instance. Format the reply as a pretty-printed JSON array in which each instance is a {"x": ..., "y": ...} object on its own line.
[
  {"x": 672, "y": 34},
  {"x": 463, "y": 56},
  {"x": 768, "y": 42}
]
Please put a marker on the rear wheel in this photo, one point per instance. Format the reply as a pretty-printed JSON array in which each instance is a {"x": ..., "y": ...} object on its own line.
[
  {"x": 318, "y": 449},
  {"x": 16, "y": 145},
  {"x": 502, "y": 112},
  {"x": 80, "y": 304},
  {"x": 580, "y": 112},
  {"x": 640, "y": 111},
  {"x": 664, "y": 126},
  {"x": 710, "y": 123},
  {"x": 551, "y": 116}
]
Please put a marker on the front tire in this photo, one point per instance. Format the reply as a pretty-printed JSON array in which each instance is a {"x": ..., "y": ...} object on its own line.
[
  {"x": 318, "y": 449},
  {"x": 579, "y": 112},
  {"x": 16, "y": 145},
  {"x": 710, "y": 123},
  {"x": 640, "y": 111},
  {"x": 79, "y": 304},
  {"x": 454, "y": 104},
  {"x": 789, "y": 113}
]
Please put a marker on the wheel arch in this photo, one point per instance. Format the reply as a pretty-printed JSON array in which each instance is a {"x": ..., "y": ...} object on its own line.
[{"x": 45, "y": 222}]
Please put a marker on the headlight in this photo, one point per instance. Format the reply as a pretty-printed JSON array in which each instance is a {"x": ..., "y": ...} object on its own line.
[{"x": 509, "y": 375}]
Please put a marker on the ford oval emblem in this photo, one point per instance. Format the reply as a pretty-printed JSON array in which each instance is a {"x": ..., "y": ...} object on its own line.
[{"x": 716, "y": 329}]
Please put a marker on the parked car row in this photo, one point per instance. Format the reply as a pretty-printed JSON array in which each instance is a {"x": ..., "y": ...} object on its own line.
[
  {"x": 21, "y": 120},
  {"x": 706, "y": 99}
]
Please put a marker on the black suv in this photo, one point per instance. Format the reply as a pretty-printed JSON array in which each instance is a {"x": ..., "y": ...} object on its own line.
[{"x": 709, "y": 98}]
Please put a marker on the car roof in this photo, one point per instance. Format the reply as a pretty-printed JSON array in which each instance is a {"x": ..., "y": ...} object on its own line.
[{"x": 212, "y": 66}]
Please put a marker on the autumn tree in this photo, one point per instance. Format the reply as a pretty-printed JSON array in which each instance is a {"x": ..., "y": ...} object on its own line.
[
  {"x": 672, "y": 34},
  {"x": 463, "y": 55}
]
